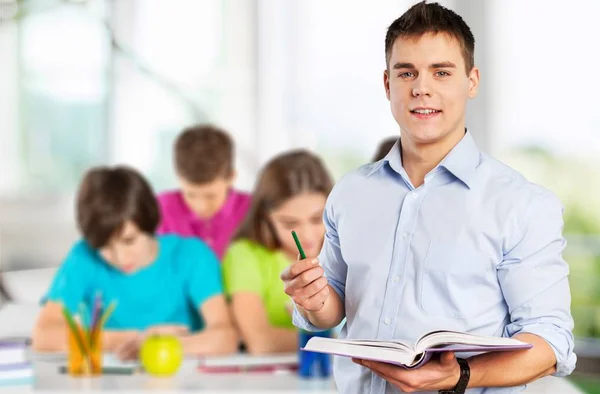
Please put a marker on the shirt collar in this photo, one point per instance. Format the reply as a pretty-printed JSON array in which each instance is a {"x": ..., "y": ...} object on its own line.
[
  {"x": 461, "y": 161},
  {"x": 393, "y": 158}
]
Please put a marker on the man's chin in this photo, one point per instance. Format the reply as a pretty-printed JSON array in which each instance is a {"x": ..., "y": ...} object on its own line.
[{"x": 425, "y": 135}]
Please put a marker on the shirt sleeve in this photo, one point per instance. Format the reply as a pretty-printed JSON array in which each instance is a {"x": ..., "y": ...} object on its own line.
[
  {"x": 534, "y": 281},
  {"x": 72, "y": 280},
  {"x": 241, "y": 270},
  {"x": 204, "y": 273},
  {"x": 332, "y": 262}
]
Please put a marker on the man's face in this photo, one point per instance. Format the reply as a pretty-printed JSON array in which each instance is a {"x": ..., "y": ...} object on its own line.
[
  {"x": 428, "y": 88},
  {"x": 206, "y": 199}
]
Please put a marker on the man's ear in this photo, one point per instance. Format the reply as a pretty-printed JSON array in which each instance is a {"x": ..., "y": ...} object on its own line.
[
  {"x": 473, "y": 82},
  {"x": 386, "y": 83}
]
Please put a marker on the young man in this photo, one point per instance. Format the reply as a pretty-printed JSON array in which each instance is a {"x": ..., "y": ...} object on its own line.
[
  {"x": 207, "y": 206},
  {"x": 164, "y": 284},
  {"x": 439, "y": 235}
]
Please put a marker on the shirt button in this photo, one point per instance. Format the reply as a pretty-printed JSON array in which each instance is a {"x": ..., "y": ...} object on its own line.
[
  {"x": 403, "y": 235},
  {"x": 396, "y": 279},
  {"x": 387, "y": 321},
  {"x": 415, "y": 194}
]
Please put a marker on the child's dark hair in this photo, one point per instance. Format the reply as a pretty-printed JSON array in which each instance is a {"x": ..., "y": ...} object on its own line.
[{"x": 108, "y": 197}]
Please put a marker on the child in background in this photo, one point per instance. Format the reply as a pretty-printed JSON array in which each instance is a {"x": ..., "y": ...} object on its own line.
[
  {"x": 384, "y": 148},
  {"x": 163, "y": 284},
  {"x": 289, "y": 195},
  {"x": 207, "y": 206}
]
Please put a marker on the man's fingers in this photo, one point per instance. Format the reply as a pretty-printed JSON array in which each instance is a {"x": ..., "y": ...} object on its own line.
[
  {"x": 388, "y": 371},
  {"x": 295, "y": 287},
  {"x": 407, "y": 380},
  {"x": 313, "y": 288},
  {"x": 307, "y": 277},
  {"x": 316, "y": 302},
  {"x": 447, "y": 359},
  {"x": 297, "y": 268}
]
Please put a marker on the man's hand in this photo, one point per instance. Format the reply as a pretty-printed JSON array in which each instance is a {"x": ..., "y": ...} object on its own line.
[
  {"x": 130, "y": 348},
  {"x": 305, "y": 283},
  {"x": 437, "y": 374}
]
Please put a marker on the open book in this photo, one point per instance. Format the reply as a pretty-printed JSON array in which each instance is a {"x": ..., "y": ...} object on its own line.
[{"x": 413, "y": 356}]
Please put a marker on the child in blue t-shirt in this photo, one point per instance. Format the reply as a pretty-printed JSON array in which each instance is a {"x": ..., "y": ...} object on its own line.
[{"x": 162, "y": 284}]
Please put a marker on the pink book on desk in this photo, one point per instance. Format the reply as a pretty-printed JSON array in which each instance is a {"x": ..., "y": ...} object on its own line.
[
  {"x": 413, "y": 355},
  {"x": 248, "y": 363}
]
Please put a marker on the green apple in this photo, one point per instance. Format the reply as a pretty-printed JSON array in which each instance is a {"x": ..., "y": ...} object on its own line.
[{"x": 161, "y": 355}]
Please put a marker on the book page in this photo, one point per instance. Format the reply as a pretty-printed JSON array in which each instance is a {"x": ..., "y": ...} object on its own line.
[
  {"x": 388, "y": 344},
  {"x": 441, "y": 338},
  {"x": 397, "y": 356}
]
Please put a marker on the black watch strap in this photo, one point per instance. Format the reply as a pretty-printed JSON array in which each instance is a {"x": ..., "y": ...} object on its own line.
[{"x": 463, "y": 381}]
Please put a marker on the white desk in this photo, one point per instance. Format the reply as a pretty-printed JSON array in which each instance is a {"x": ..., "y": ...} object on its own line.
[{"x": 47, "y": 378}]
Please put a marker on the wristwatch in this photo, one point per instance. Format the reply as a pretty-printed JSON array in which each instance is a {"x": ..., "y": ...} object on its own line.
[{"x": 463, "y": 381}]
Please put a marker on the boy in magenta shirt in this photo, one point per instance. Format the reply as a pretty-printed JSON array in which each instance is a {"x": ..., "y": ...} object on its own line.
[{"x": 207, "y": 206}]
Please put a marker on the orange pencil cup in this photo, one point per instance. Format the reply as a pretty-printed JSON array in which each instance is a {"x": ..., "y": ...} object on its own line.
[{"x": 84, "y": 360}]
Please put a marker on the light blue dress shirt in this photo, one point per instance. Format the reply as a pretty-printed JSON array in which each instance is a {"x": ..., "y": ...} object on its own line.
[{"x": 476, "y": 248}]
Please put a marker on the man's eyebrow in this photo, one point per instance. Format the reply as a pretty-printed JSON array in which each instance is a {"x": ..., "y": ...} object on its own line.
[
  {"x": 403, "y": 65},
  {"x": 443, "y": 65}
]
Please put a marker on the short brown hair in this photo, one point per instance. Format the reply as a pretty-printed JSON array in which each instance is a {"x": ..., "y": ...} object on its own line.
[
  {"x": 203, "y": 153},
  {"x": 423, "y": 18},
  {"x": 384, "y": 148},
  {"x": 109, "y": 197},
  {"x": 284, "y": 177}
]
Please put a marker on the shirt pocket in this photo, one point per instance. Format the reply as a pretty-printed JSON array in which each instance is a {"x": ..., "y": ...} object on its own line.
[{"x": 457, "y": 282}]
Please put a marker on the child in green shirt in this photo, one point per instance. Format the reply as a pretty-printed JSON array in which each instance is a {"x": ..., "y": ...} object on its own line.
[{"x": 289, "y": 195}]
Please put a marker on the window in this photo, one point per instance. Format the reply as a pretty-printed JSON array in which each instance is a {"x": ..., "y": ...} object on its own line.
[{"x": 545, "y": 123}]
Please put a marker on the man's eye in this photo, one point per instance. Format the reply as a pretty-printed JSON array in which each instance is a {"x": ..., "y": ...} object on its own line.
[
  {"x": 442, "y": 74},
  {"x": 407, "y": 74}
]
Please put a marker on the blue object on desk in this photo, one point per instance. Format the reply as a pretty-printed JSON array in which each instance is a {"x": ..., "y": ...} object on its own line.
[{"x": 311, "y": 364}]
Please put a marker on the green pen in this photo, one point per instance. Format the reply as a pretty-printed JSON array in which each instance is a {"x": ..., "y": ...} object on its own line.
[{"x": 302, "y": 254}]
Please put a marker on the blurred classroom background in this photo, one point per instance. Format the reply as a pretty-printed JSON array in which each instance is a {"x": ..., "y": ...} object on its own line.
[{"x": 88, "y": 82}]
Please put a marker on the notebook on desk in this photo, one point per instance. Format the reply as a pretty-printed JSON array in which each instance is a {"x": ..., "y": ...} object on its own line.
[
  {"x": 15, "y": 368},
  {"x": 13, "y": 351},
  {"x": 111, "y": 365},
  {"x": 244, "y": 362}
]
